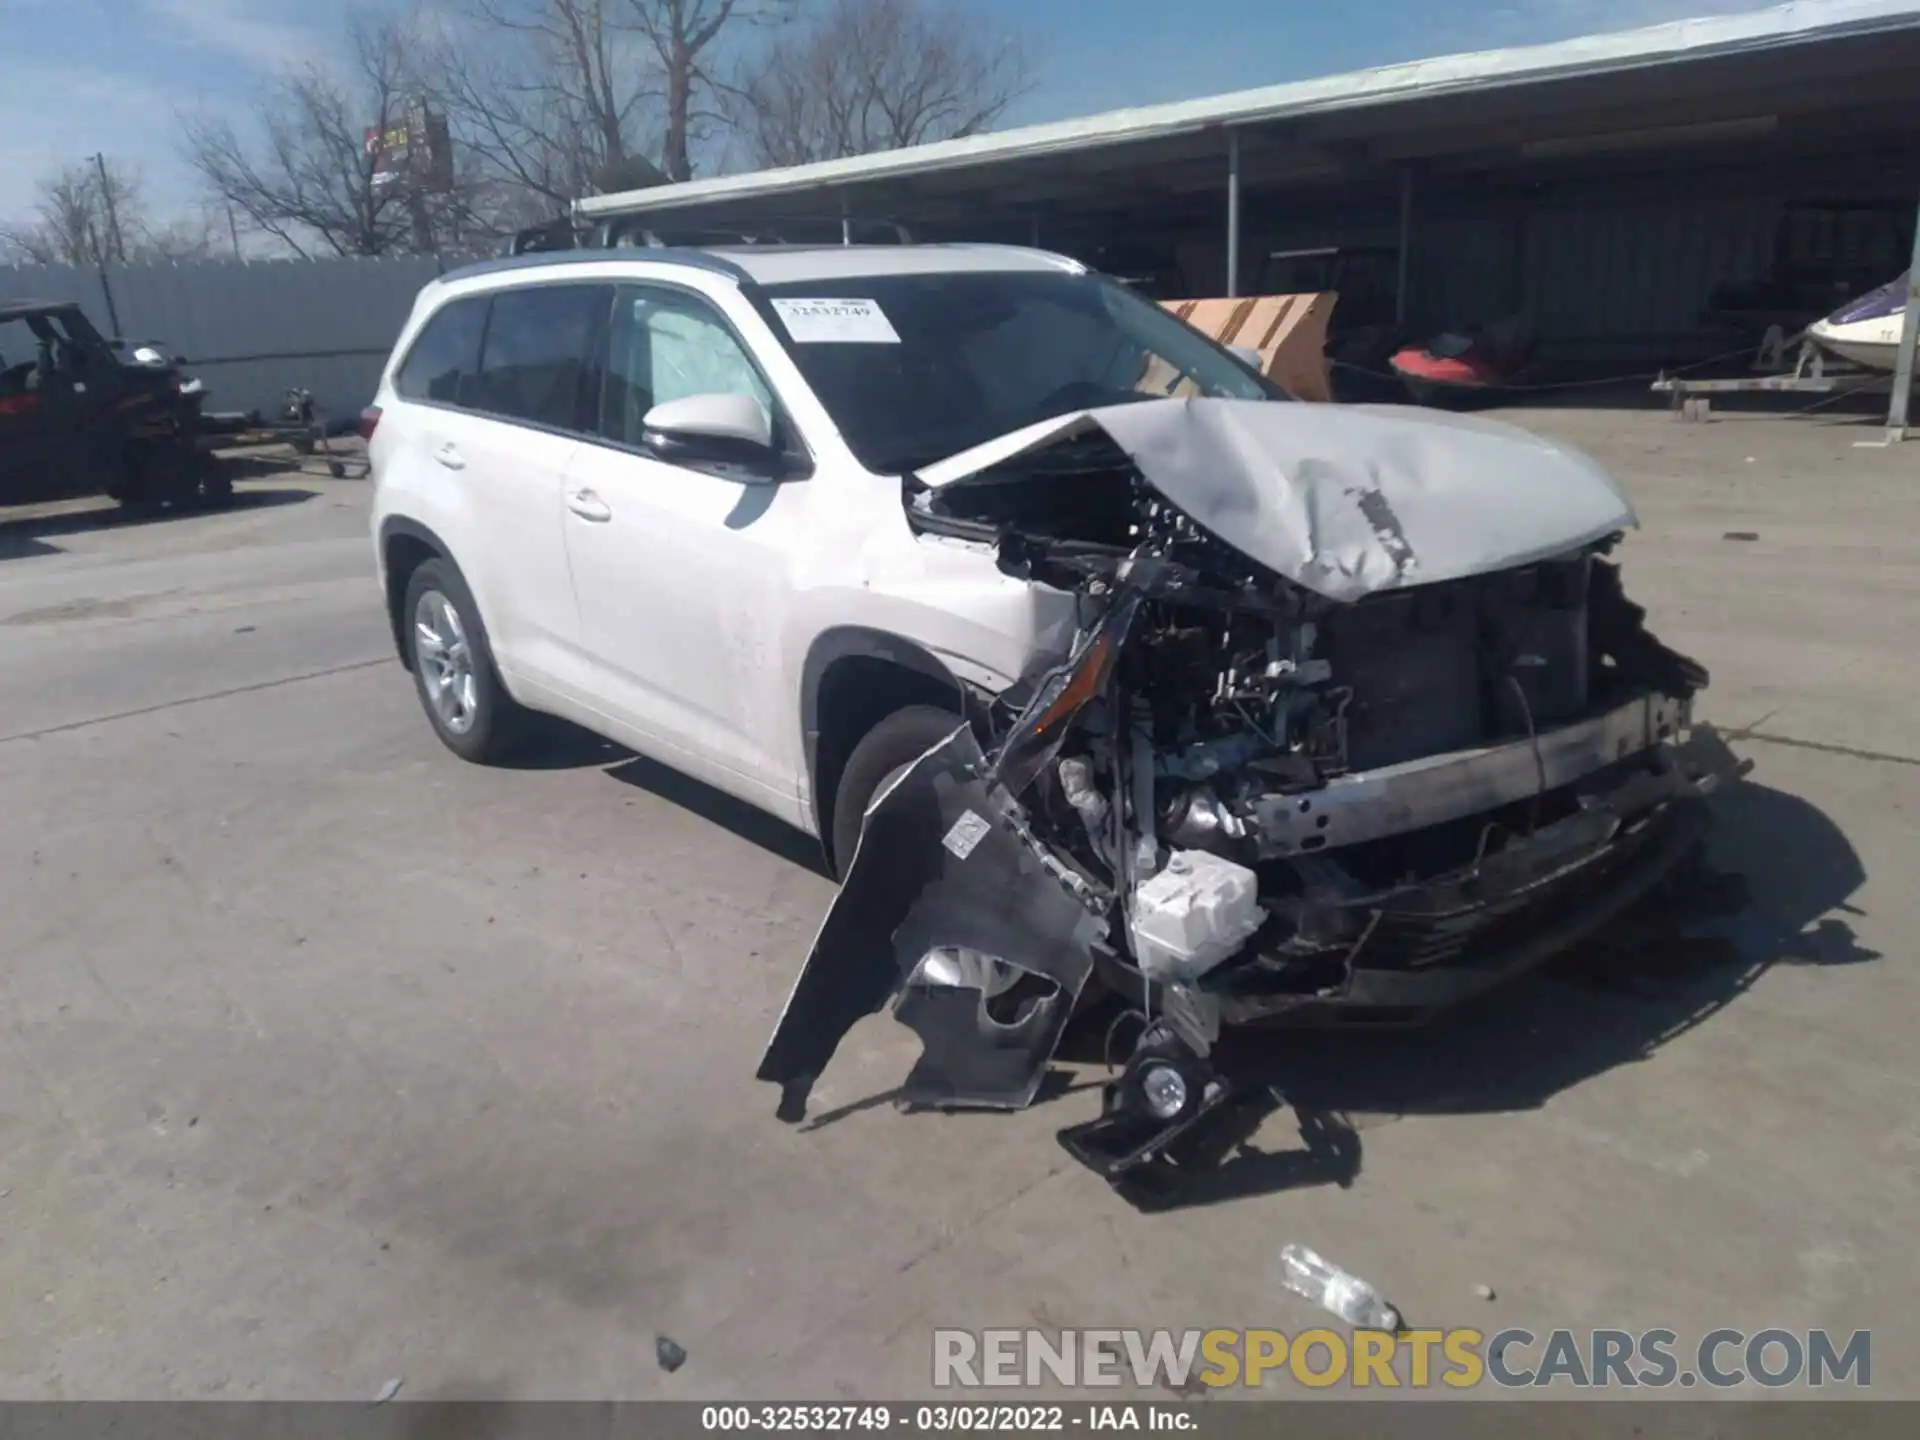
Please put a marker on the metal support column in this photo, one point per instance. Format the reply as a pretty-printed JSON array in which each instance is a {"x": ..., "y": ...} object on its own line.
[
  {"x": 1406, "y": 247},
  {"x": 1233, "y": 213},
  {"x": 1909, "y": 336}
]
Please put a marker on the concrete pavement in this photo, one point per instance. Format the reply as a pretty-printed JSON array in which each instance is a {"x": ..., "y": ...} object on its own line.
[{"x": 326, "y": 1059}]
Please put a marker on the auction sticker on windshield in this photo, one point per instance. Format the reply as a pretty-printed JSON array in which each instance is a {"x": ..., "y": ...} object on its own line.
[{"x": 836, "y": 322}]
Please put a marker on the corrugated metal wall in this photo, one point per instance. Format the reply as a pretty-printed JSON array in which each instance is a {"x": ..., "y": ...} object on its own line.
[
  {"x": 1602, "y": 277},
  {"x": 251, "y": 329},
  {"x": 1615, "y": 278},
  {"x": 1616, "y": 270},
  {"x": 1467, "y": 266}
]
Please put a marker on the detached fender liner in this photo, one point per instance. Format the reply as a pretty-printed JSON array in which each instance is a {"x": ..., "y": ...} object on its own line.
[{"x": 938, "y": 868}]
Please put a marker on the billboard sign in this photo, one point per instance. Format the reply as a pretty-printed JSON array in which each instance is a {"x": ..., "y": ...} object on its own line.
[{"x": 417, "y": 148}]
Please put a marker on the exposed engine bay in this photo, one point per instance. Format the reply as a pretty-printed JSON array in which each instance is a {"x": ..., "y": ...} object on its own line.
[{"x": 1240, "y": 800}]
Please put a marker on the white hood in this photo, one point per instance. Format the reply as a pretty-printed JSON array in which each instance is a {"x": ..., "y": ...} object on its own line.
[{"x": 1346, "y": 499}]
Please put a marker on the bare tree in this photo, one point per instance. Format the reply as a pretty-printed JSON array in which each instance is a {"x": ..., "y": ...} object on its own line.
[
  {"x": 684, "y": 37},
  {"x": 877, "y": 75},
  {"x": 546, "y": 98},
  {"x": 308, "y": 176},
  {"x": 185, "y": 237},
  {"x": 66, "y": 227},
  {"x": 69, "y": 222},
  {"x": 550, "y": 100},
  {"x": 92, "y": 211}
]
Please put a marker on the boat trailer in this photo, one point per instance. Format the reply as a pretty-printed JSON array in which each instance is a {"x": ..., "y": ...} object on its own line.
[
  {"x": 1814, "y": 372},
  {"x": 299, "y": 426}
]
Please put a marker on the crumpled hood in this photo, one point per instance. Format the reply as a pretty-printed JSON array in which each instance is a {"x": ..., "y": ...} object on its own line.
[{"x": 1346, "y": 499}]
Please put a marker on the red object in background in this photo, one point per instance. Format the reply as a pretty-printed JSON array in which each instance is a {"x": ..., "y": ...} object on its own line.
[
  {"x": 1472, "y": 369},
  {"x": 1458, "y": 368},
  {"x": 369, "y": 420},
  {"x": 19, "y": 404}
]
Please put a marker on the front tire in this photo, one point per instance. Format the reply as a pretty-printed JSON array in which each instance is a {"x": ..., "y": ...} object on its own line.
[
  {"x": 215, "y": 485},
  {"x": 885, "y": 750},
  {"x": 453, "y": 669}
]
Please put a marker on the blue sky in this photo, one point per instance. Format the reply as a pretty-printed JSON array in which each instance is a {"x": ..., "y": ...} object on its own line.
[{"x": 78, "y": 76}]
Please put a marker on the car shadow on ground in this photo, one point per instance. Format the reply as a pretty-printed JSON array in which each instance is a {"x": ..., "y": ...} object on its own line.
[
  {"x": 31, "y": 534},
  {"x": 737, "y": 816},
  {"x": 556, "y": 744},
  {"x": 1776, "y": 872}
]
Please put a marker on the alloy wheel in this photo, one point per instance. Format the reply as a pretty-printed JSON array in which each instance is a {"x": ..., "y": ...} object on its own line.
[{"x": 445, "y": 659}]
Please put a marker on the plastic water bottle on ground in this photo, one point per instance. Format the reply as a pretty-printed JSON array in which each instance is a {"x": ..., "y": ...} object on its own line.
[{"x": 1330, "y": 1287}]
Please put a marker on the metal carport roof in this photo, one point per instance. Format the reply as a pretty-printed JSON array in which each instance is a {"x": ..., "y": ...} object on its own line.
[
  {"x": 1690, "y": 81},
  {"x": 1811, "y": 76}
]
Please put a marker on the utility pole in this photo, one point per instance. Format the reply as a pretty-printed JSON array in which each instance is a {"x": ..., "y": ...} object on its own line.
[
  {"x": 233, "y": 232},
  {"x": 113, "y": 215},
  {"x": 106, "y": 287}
]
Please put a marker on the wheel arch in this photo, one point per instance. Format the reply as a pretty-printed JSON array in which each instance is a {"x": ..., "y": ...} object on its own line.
[
  {"x": 405, "y": 545},
  {"x": 852, "y": 679}
]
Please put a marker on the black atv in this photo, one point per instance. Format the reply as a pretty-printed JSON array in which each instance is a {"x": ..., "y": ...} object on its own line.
[{"x": 80, "y": 416}]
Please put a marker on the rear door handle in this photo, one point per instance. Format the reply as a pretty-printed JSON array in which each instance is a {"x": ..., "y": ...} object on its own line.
[
  {"x": 449, "y": 456},
  {"x": 588, "y": 506}
]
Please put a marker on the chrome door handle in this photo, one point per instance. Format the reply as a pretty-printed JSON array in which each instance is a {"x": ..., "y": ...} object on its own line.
[
  {"x": 588, "y": 506},
  {"x": 449, "y": 456}
]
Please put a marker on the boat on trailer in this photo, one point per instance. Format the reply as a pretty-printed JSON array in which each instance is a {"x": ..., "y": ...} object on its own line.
[{"x": 1866, "y": 330}]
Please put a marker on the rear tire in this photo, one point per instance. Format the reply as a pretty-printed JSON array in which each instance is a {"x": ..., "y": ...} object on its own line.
[
  {"x": 453, "y": 671},
  {"x": 889, "y": 747},
  {"x": 124, "y": 482},
  {"x": 215, "y": 484}
]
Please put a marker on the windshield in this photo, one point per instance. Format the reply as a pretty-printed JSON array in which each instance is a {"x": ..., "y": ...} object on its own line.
[{"x": 914, "y": 368}]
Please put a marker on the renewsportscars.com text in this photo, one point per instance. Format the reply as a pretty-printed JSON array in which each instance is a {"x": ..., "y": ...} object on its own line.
[{"x": 1458, "y": 1359}]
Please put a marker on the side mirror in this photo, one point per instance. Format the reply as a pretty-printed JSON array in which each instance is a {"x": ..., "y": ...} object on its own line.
[
  {"x": 1247, "y": 356},
  {"x": 725, "y": 428}
]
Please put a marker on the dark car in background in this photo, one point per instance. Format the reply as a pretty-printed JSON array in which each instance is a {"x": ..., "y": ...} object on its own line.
[{"x": 81, "y": 415}]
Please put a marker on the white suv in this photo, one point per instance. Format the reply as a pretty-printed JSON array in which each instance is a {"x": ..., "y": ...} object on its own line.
[
  {"x": 658, "y": 493},
  {"x": 1125, "y": 666}
]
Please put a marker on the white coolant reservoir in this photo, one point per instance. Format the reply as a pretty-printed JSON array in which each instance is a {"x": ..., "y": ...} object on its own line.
[{"x": 1198, "y": 910}]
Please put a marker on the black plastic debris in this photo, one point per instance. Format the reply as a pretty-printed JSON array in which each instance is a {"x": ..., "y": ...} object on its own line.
[{"x": 669, "y": 1353}]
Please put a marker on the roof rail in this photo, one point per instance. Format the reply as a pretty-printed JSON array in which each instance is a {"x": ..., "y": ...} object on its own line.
[
  {"x": 787, "y": 229},
  {"x": 621, "y": 231},
  {"x": 581, "y": 254},
  {"x": 557, "y": 234}
]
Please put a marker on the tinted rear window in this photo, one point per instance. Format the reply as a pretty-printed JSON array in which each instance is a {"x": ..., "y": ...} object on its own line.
[
  {"x": 540, "y": 347},
  {"x": 443, "y": 360}
]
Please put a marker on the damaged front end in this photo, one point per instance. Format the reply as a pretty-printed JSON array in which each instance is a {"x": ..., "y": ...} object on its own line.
[{"x": 1344, "y": 775}]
